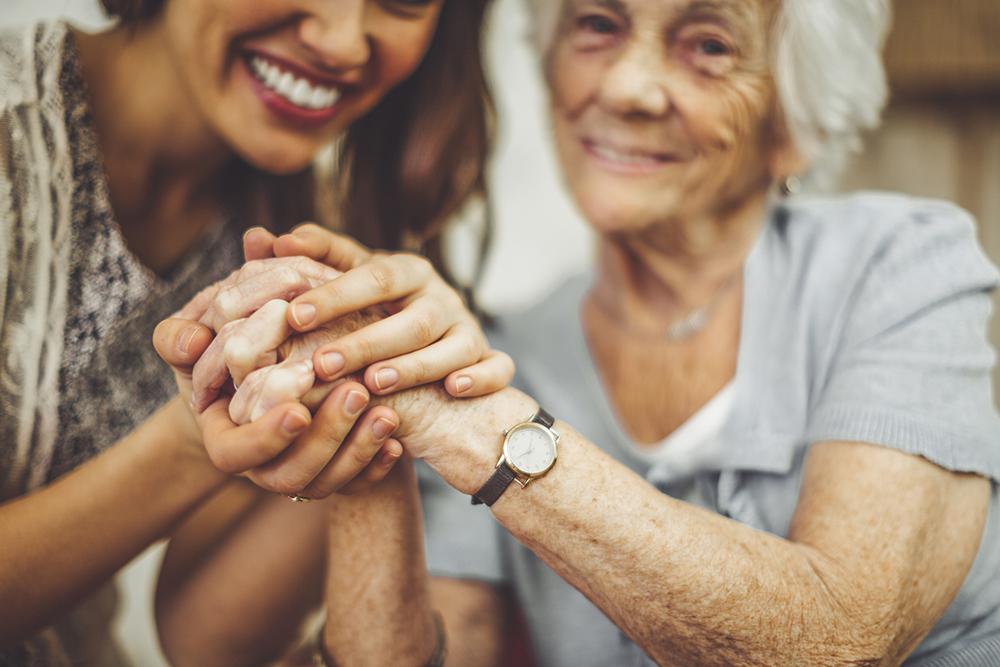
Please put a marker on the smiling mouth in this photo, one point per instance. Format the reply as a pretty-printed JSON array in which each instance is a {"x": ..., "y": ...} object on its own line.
[
  {"x": 630, "y": 159},
  {"x": 295, "y": 89}
]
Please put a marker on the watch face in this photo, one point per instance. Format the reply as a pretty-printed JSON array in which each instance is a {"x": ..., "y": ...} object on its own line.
[{"x": 530, "y": 449}]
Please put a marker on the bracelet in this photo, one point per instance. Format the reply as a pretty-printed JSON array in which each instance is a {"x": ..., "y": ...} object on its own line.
[{"x": 322, "y": 659}]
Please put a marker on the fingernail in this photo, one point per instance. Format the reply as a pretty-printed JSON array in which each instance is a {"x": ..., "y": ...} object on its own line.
[
  {"x": 332, "y": 363},
  {"x": 184, "y": 342},
  {"x": 389, "y": 457},
  {"x": 293, "y": 423},
  {"x": 385, "y": 378},
  {"x": 303, "y": 314},
  {"x": 355, "y": 403},
  {"x": 463, "y": 383},
  {"x": 382, "y": 428}
]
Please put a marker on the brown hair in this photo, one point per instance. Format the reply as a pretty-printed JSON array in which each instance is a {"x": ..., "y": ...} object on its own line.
[{"x": 409, "y": 164}]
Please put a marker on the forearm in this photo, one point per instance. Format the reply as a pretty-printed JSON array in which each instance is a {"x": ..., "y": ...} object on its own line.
[
  {"x": 62, "y": 542},
  {"x": 377, "y": 591},
  {"x": 239, "y": 578},
  {"x": 689, "y": 586}
]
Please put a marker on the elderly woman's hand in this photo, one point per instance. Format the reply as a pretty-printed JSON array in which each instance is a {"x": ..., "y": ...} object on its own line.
[
  {"x": 227, "y": 304},
  {"x": 428, "y": 335},
  {"x": 286, "y": 449}
]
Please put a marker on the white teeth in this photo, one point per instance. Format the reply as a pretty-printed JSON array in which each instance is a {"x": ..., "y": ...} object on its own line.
[
  {"x": 285, "y": 85},
  {"x": 319, "y": 99},
  {"x": 271, "y": 76},
  {"x": 301, "y": 93},
  {"x": 624, "y": 158},
  {"x": 298, "y": 91}
]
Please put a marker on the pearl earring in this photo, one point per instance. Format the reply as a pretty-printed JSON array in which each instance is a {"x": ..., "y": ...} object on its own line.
[{"x": 791, "y": 186}]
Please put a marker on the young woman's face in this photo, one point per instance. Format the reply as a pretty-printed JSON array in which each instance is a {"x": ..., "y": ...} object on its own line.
[
  {"x": 662, "y": 108},
  {"x": 279, "y": 79}
]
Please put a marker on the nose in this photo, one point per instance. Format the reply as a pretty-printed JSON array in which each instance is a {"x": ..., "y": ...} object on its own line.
[
  {"x": 636, "y": 83},
  {"x": 336, "y": 34}
]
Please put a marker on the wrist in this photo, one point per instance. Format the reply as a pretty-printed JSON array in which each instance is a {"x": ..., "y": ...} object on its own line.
[
  {"x": 461, "y": 439},
  {"x": 187, "y": 439}
]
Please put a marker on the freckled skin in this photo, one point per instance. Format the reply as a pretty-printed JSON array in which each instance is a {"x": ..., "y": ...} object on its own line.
[
  {"x": 648, "y": 85},
  {"x": 372, "y": 45}
]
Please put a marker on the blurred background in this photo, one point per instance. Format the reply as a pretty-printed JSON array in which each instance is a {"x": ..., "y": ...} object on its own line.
[{"x": 941, "y": 138}]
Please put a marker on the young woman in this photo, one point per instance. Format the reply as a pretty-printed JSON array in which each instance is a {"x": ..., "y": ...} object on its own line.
[{"x": 131, "y": 161}]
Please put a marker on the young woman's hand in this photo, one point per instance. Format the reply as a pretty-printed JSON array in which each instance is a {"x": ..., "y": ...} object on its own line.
[
  {"x": 427, "y": 335},
  {"x": 287, "y": 449}
]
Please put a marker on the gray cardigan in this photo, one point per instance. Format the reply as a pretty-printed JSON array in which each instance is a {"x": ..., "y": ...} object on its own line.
[{"x": 864, "y": 319}]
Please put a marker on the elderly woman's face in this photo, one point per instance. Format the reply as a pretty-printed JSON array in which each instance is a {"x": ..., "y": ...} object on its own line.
[
  {"x": 662, "y": 108},
  {"x": 279, "y": 79}
]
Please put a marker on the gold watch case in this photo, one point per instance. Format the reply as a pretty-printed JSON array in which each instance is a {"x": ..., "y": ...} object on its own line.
[{"x": 524, "y": 477}]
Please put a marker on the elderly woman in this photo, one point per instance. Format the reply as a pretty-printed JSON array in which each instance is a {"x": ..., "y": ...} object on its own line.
[{"x": 776, "y": 434}]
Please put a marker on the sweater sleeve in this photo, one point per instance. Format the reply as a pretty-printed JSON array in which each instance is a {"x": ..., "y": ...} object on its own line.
[
  {"x": 913, "y": 367},
  {"x": 462, "y": 540}
]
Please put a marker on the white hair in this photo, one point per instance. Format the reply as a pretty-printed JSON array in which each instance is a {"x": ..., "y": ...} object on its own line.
[{"x": 828, "y": 70}]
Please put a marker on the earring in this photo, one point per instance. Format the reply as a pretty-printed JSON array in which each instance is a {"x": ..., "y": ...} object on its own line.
[{"x": 791, "y": 186}]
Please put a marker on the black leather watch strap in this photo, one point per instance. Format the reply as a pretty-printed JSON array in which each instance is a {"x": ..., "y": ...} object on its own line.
[
  {"x": 494, "y": 486},
  {"x": 544, "y": 418},
  {"x": 503, "y": 475}
]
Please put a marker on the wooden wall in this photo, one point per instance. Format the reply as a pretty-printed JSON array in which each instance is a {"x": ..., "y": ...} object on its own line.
[{"x": 941, "y": 136}]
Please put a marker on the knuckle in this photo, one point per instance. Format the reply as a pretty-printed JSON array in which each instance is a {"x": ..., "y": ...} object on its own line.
[
  {"x": 360, "y": 457},
  {"x": 221, "y": 459},
  {"x": 284, "y": 487},
  {"x": 363, "y": 350},
  {"x": 308, "y": 228},
  {"x": 250, "y": 269},
  {"x": 418, "y": 371},
  {"x": 471, "y": 344},
  {"x": 284, "y": 481},
  {"x": 254, "y": 380},
  {"x": 454, "y": 300},
  {"x": 228, "y": 329},
  {"x": 289, "y": 278},
  {"x": 424, "y": 327},
  {"x": 332, "y": 439},
  {"x": 384, "y": 278},
  {"x": 420, "y": 265},
  {"x": 506, "y": 363},
  {"x": 224, "y": 304}
]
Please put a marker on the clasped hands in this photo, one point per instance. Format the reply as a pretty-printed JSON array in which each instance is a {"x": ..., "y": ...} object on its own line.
[{"x": 280, "y": 360}]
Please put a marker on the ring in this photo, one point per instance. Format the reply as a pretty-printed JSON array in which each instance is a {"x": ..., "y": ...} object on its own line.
[{"x": 299, "y": 499}]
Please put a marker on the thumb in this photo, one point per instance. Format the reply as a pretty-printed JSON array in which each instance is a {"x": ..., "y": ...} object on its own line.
[{"x": 181, "y": 342}]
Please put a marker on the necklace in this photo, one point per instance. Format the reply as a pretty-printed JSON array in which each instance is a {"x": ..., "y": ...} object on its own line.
[
  {"x": 681, "y": 329},
  {"x": 691, "y": 324}
]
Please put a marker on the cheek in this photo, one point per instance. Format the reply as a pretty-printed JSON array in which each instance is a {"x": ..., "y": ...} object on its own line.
[
  {"x": 573, "y": 78},
  {"x": 728, "y": 119},
  {"x": 201, "y": 35},
  {"x": 400, "y": 52}
]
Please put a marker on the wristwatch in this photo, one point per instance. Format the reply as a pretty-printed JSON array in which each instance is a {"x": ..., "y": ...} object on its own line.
[{"x": 529, "y": 451}]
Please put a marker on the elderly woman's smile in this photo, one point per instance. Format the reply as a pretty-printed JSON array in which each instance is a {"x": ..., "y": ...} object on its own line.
[{"x": 662, "y": 108}]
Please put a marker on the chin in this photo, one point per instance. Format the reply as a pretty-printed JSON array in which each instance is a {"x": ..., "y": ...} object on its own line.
[
  {"x": 615, "y": 211},
  {"x": 277, "y": 158}
]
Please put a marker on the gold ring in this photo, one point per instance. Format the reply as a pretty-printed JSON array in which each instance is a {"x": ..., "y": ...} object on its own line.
[{"x": 300, "y": 499}]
